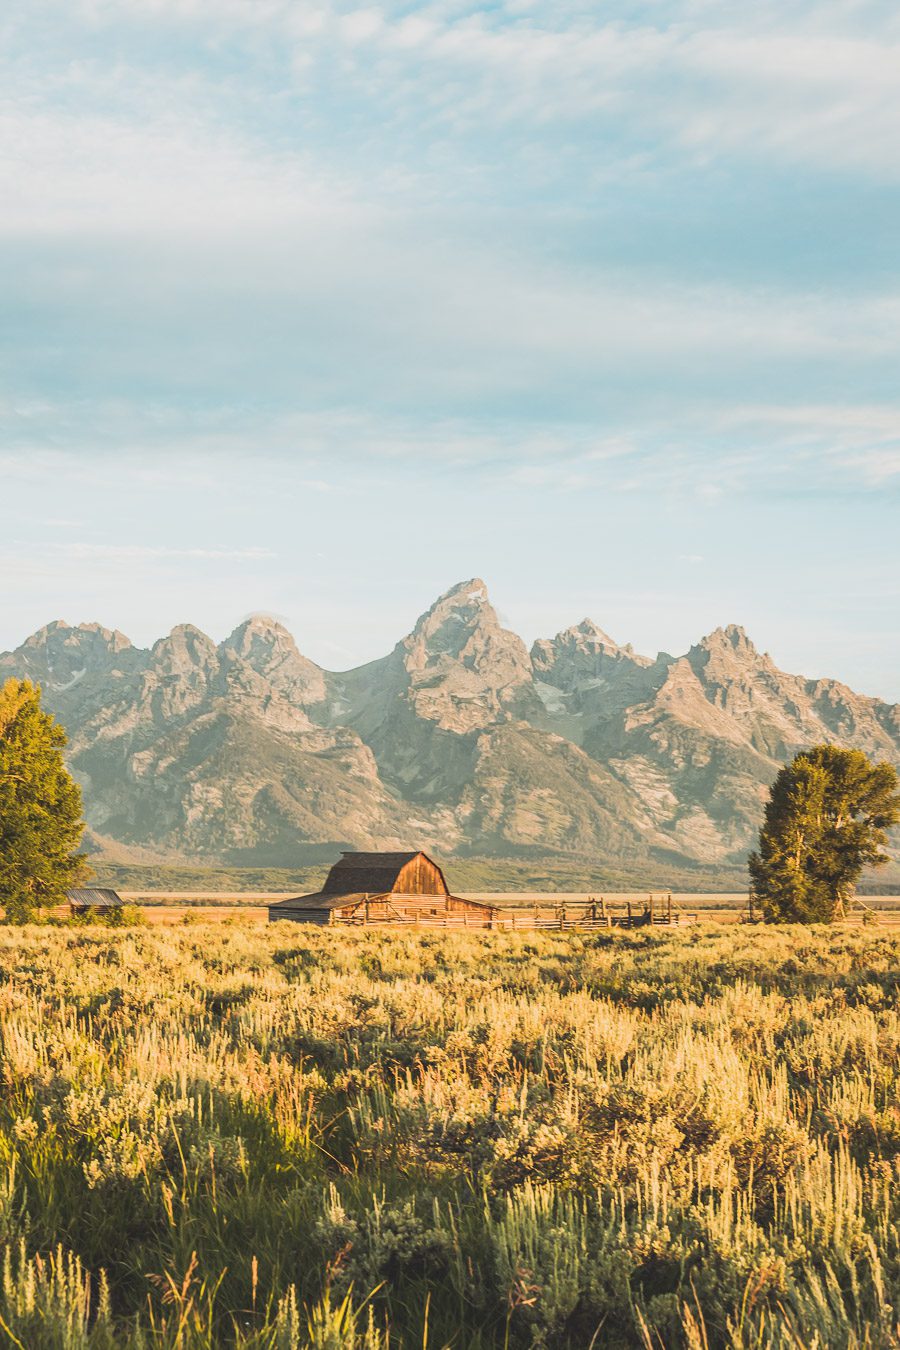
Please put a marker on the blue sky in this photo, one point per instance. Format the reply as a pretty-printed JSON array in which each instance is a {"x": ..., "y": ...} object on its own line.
[{"x": 316, "y": 309}]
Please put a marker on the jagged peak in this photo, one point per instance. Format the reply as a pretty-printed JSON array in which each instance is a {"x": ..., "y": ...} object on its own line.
[
  {"x": 112, "y": 636},
  {"x": 471, "y": 592},
  {"x": 466, "y": 606},
  {"x": 585, "y": 642},
  {"x": 185, "y": 637},
  {"x": 187, "y": 630},
  {"x": 259, "y": 627},
  {"x": 261, "y": 622},
  {"x": 589, "y": 632},
  {"x": 461, "y": 632},
  {"x": 732, "y": 635}
]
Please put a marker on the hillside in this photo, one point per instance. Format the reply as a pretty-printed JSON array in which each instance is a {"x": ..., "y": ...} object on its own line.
[{"x": 248, "y": 754}]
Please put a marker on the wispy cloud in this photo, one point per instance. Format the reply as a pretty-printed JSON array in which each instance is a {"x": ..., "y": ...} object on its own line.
[
  {"x": 112, "y": 552},
  {"x": 84, "y": 550},
  {"x": 807, "y": 83},
  {"x": 277, "y": 269}
]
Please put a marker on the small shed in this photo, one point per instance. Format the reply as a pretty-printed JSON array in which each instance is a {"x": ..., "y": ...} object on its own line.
[
  {"x": 94, "y": 901},
  {"x": 395, "y": 888}
]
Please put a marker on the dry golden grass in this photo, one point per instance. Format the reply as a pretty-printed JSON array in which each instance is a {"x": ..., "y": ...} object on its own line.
[{"x": 220, "y": 1133}]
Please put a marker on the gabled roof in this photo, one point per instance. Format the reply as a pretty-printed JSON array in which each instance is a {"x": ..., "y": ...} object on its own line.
[
  {"x": 94, "y": 897},
  {"x": 365, "y": 872},
  {"x": 368, "y": 873}
]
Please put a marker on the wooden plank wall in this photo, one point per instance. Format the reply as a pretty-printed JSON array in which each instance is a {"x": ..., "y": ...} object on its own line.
[{"x": 421, "y": 876}]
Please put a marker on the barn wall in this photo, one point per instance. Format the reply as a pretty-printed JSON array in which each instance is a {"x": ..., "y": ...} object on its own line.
[
  {"x": 421, "y": 876},
  {"x": 474, "y": 915},
  {"x": 376, "y": 909},
  {"x": 321, "y": 917},
  {"x": 430, "y": 906}
]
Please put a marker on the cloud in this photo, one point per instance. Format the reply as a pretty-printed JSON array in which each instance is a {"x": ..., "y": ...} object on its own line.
[
  {"x": 116, "y": 552},
  {"x": 65, "y": 175},
  {"x": 256, "y": 212},
  {"x": 566, "y": 89},
  {"x": 860, "y": 440},
  {"x": 79, "y": 551}
]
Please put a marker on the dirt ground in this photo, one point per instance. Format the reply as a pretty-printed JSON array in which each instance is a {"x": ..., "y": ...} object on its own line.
[{"x": 190, "y": 907}]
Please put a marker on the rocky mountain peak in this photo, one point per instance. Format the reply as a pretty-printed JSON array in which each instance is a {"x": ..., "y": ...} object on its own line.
[
  {"x": 462, "y": 626},
  {"x": 466, "y": 604},
  {"x": 259, "y": 633},
  {"x": 728, "y": 654},
  {"x": 472, "y": 591},
  {"x": 462, "y": 668},
  {"x": 185, "y": 647},
  {"x": 591, "y": 635},
  {"x": 88, "y": 636},
  {"x": 181, "y": 671},
  {"x": 269, "y": 649},
  {"x": 261, "y": 623},
  {"x": 60, "y": 656},
  {"x": 583, "y": 658},
  {"x": 733, "y": 636}
]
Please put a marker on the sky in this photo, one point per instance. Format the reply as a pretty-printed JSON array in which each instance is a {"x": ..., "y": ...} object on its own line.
[{"x": 315, "y": 309}]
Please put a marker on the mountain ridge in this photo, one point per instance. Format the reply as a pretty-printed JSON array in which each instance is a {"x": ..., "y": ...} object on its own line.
[{"x": 460, "y": 739}]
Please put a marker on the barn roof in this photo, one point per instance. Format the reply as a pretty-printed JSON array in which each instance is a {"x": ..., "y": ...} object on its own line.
[
  {"x": 365, "y": 871},
  {"x": 322, "y": 900},
  {"x": 94, "y": 897}
]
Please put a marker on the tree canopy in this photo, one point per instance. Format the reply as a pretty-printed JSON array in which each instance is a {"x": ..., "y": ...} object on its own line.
[
  {"x": 826, "y": 819},
  {"x": 40, "y": 806}
]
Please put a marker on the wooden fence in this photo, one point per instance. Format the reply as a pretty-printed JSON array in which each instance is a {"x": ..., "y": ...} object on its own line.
[{"x": 593, "y": 914}]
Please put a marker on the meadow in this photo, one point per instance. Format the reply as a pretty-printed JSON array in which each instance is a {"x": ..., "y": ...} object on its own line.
[{"x": 215, "y": 1133}]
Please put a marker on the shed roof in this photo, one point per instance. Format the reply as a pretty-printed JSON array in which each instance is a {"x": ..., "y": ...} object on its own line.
[
  {"x": 322, "y": 900},
  {"x": 94, "y": 897}
]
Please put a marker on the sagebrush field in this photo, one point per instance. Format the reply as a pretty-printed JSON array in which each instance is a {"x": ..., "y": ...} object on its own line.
[{"x": 217, "y": 1134}]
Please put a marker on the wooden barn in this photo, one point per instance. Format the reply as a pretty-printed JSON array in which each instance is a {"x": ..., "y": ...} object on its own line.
[
  {"x": 91, "y": 900},
  {"x": 370, "y": 888}
]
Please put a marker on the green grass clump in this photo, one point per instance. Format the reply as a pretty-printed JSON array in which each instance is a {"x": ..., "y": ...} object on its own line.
[{"x": 227, "y": 1135}]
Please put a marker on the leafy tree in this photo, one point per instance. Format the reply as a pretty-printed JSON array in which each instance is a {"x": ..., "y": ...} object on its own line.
[
  {"x": 40, "y": 806},
  {"x": 826, "y": 819}
]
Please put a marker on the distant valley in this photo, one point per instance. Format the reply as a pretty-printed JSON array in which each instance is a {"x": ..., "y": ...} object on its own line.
[{"x": 460, "y": 741}]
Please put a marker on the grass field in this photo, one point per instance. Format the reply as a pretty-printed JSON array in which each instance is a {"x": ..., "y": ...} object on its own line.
[{"x": 220, "y": 1133}]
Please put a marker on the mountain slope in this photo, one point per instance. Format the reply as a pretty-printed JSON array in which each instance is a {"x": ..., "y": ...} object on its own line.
[{"x": 458, "y": 740}]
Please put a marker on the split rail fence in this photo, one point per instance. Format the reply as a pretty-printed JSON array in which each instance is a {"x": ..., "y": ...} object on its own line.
[{"x": 591, "y": 914}]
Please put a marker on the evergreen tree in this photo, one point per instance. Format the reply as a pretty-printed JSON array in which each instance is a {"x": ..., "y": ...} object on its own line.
[
  {"x": 40, "y": 806},
  {"x": 826, "y": 819}
]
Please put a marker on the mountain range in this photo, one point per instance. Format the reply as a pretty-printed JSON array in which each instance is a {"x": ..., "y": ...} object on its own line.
[{"x": 460, "y": 740}]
